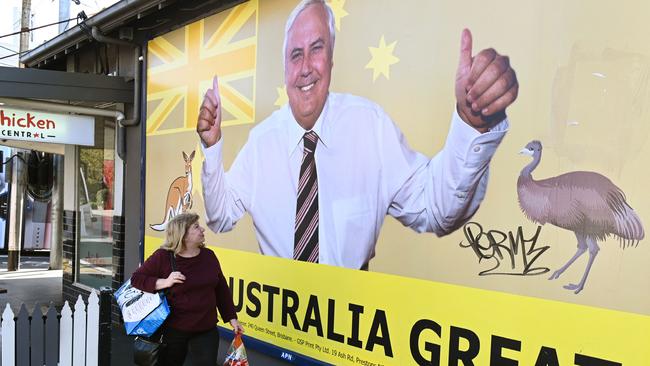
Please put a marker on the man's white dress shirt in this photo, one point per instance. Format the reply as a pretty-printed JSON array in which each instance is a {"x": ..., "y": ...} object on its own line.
[{"x": 365, "y": 171}]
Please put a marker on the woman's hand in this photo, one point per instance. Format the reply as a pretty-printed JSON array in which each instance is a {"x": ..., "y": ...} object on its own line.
[
  {"x": 171, "y": 280},
  {"x": 236, "y": 326}
]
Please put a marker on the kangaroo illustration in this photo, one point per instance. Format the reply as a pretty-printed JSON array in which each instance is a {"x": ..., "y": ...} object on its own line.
[{"x": 179, "y": 195}]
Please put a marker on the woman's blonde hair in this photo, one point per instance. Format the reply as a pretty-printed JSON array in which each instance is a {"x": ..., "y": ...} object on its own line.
[{"x": 176, "y": 229}]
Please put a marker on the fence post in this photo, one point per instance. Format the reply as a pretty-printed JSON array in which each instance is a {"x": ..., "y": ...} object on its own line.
[
  {"x": 79, "y": 332},
  {"x": 92, "y": 329},
  {"x": 37, "y": 336},
  {"x": 65, "y": 337},
  {"x": 22, "y": 337},
  {"x": 52, "y": 337},
  {"x": 8, "y": 337},
  {"x": 105, "y": 298}
]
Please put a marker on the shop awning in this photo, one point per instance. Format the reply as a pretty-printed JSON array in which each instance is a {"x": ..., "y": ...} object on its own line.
[{"x": 76, "y": 88}]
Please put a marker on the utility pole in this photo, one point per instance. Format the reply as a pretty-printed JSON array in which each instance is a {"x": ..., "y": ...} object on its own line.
[
  {"x": 64, "y": 13},
  {"x": 17, "y": 176},
  {"x": 25, "y": 19}
]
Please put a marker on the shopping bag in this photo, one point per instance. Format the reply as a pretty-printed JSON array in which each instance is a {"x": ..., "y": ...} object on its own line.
[
  {"x": 236, "y": 355},
  {"x": 143, "y": 312}
]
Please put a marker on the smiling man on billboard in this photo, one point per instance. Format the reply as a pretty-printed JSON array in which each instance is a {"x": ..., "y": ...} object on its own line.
[{"x": 319, "y": 175}]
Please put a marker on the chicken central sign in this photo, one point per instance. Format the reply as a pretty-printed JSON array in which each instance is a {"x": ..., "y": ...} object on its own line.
[{"x": 38, "y": 126}]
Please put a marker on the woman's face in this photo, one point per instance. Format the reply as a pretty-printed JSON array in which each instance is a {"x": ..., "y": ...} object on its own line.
[{"x": 194, "y": 235}]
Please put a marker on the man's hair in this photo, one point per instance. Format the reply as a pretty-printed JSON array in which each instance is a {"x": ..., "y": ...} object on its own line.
[
  {"x": 292, "y": 19},
  {"x": 176, "y": 229}
]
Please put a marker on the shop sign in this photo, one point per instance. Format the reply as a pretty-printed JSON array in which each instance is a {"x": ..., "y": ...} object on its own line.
[{"x": 38, "y": 126}]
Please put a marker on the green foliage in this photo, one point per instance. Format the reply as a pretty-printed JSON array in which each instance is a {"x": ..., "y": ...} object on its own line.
[{"x": 92, "y": 162}]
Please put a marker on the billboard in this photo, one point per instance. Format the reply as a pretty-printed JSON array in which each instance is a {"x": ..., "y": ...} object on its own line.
[{"x": 552, "y": 267}]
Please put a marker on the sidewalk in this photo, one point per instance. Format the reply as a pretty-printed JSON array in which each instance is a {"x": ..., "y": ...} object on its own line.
[{"x": 34, "y": 285}]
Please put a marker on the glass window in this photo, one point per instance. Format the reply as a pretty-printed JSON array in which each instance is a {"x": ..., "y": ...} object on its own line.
[{"x": 95, "y": 202}]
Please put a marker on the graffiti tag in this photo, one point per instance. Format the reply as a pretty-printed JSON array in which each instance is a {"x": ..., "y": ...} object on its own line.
[{"x": 505, "y": 249}]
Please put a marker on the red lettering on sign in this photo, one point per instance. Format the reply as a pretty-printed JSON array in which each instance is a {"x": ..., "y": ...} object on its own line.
[{"x": 29, "y": 120}]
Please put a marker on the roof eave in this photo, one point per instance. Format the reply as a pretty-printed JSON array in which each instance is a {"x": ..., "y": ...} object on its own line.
[{"x": 106, "y": 20}]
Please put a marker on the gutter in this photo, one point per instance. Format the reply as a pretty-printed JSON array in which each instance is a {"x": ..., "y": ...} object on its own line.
[{"x": 107, "y": 20}]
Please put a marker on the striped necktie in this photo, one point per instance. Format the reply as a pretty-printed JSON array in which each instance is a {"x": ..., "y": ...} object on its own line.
[{"x": 306, "y": 233}]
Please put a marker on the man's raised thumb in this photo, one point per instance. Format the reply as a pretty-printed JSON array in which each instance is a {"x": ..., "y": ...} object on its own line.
[
  {"x": 465, "y": 61},
  {"x": 215, "y": 87}
]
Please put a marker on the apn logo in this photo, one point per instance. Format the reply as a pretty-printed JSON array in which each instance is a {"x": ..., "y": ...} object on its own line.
[{"x": 287, "y": 356}]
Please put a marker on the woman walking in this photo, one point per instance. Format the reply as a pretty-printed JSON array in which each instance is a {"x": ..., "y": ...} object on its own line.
[{"x": 195, "y": 290}]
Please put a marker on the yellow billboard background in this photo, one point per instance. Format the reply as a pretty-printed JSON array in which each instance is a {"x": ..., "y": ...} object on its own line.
[
  {"x": 350, "y": 317},
  {"x": 583, "y": 68}
]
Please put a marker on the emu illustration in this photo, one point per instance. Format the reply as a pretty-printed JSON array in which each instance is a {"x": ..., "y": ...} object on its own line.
[
  {"x": 587, "y": 203},
  {"x": 179, "y": 195}
]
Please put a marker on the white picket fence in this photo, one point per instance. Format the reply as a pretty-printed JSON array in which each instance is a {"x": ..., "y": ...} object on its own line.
[{"x": 26, "y": 342}]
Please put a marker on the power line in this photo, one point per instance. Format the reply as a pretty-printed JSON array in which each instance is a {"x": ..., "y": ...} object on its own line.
[
  {"x": 12, "y": 55},
  {"x": 29, "y": 30},
  {"x": 8, "y": 49},
  {"x": 35, "y": 28}
]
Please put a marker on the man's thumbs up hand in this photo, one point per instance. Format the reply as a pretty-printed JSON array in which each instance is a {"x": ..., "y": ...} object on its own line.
[{"x": 485, "y": 85}]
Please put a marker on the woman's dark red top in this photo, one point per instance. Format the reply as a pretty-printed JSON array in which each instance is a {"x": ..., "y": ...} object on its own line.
[{"x": 194, "y": 302}]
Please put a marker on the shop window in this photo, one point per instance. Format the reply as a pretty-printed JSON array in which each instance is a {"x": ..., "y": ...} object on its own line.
[{"x": 94, "y": 267}]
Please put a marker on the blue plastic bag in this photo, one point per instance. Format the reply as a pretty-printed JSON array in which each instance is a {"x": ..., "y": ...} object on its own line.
[{"x": 143, "y": 312}]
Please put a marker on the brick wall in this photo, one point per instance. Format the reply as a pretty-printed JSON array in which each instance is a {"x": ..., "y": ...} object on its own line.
[
  {"x": 118, "y": 264},
  {"x": 70, "y": 291}
]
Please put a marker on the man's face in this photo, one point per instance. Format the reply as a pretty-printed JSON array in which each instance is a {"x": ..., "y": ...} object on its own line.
[{"x": 308, "y": 65}]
